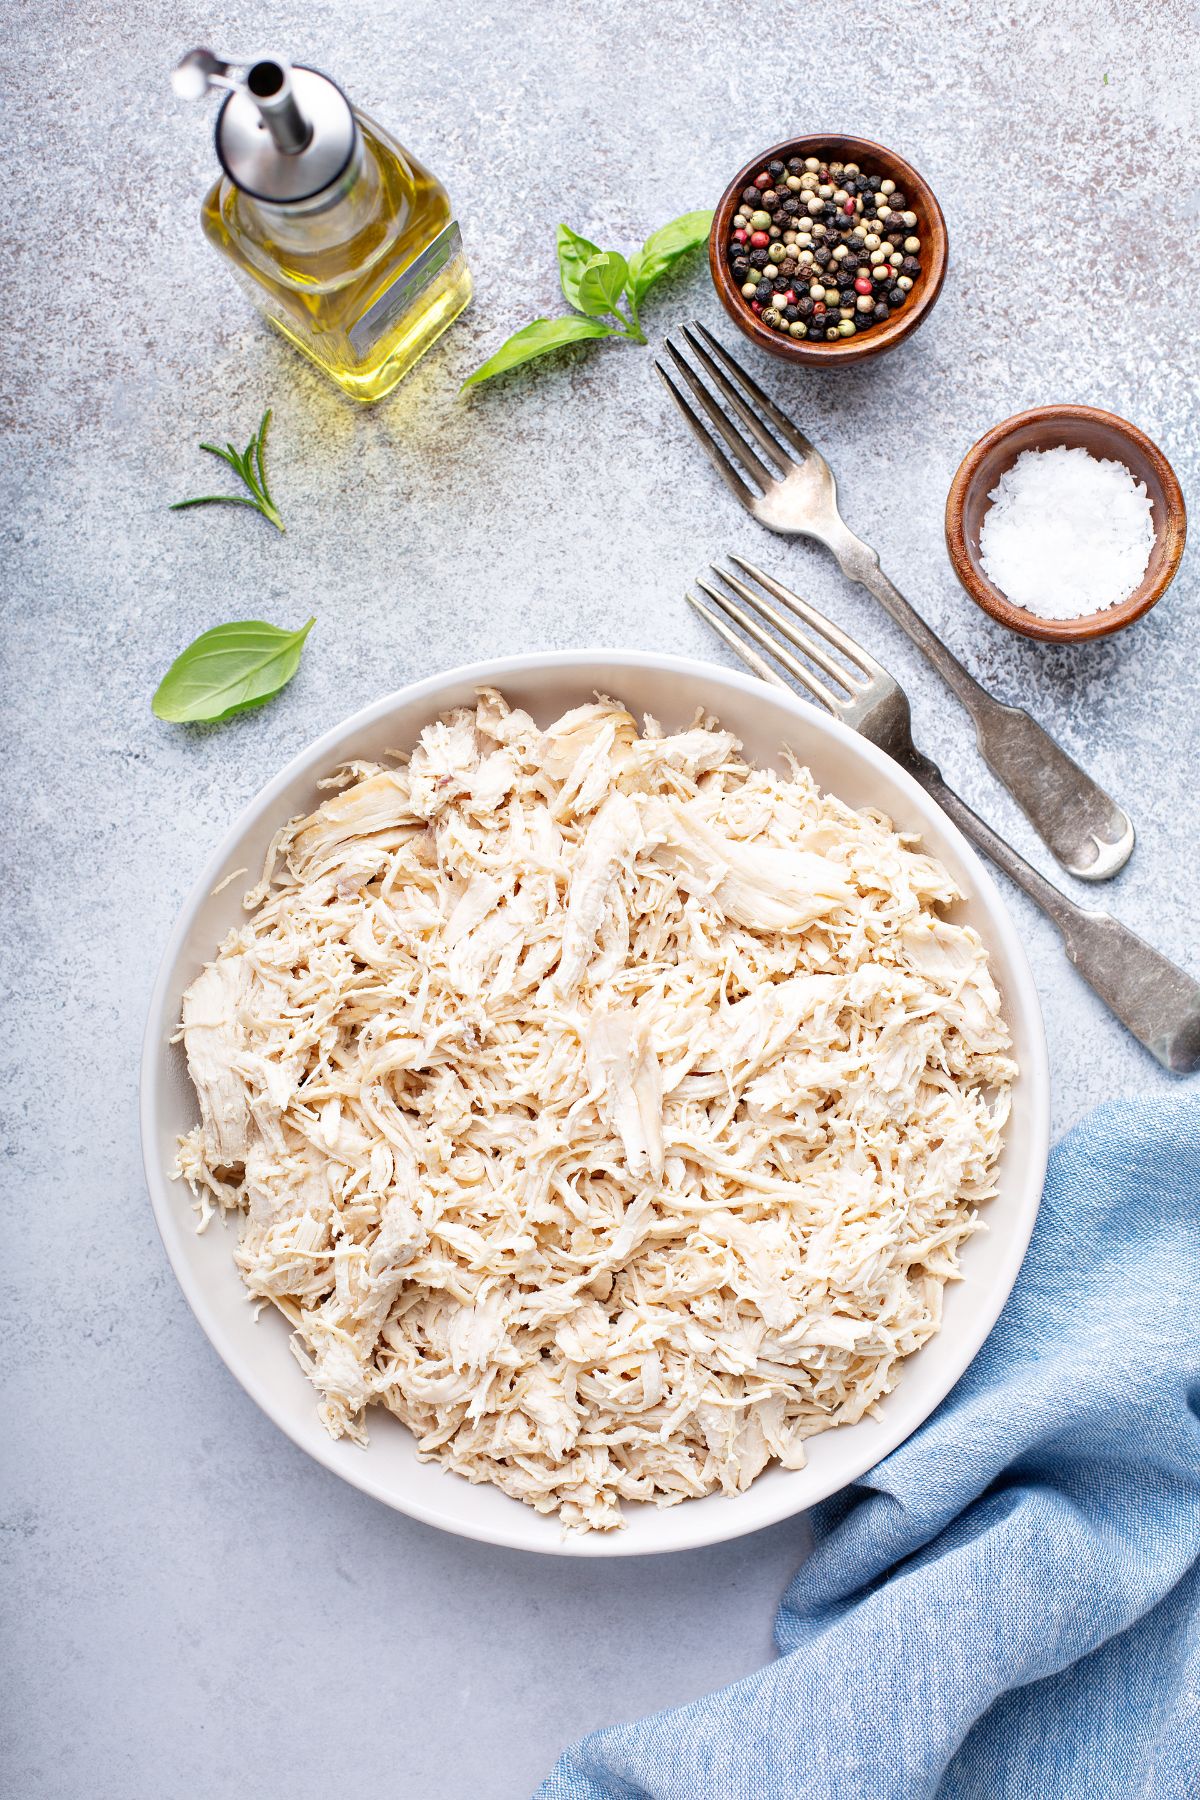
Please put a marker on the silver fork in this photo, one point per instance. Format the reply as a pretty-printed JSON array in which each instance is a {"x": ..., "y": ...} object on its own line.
[
  {"x": 1158, "y": 1002},
  {"x": 1086, "y": 830}
]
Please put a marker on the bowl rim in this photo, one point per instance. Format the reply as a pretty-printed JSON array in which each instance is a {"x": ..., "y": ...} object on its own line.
[
  {"x": 815, "y": 353},
  {"x": 1172, "y": 533},
  {"x": 255, "y": 1376}
]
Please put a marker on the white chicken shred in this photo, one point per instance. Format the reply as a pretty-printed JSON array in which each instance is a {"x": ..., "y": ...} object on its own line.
[{"x": 610, "y": 1111}]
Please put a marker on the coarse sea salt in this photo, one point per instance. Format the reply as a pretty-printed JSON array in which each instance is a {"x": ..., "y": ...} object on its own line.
[{"x": 1067, "y": 533}]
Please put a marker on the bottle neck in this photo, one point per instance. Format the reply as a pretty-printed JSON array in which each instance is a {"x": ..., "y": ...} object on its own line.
[{"x": 337, "y": 213}]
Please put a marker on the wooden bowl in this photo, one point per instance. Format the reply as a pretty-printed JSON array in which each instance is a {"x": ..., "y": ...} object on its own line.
[
  {"x": 930, "y": 227},
  {"x": 1046, "y": 428}
]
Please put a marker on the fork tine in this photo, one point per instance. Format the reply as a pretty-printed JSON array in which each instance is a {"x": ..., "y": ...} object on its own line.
[
  {"x": 834, "y": 634},
  {"x": 830, "y": 701},
  {"x": 739, "y": 646},
  {"x": 716, "y": 455},
  {"x": 779, "y": 419},
  {"x": 808, "y": 646},
  {"x": 765, "y": 477},
  {"x": 734, "y": 401}
]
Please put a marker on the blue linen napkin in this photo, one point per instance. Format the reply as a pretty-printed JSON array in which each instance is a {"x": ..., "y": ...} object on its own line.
[{"x": 1008, "y": 1606}]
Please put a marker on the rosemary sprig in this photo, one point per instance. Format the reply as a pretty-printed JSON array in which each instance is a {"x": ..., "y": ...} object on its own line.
[{"x": 248, "y": 465}]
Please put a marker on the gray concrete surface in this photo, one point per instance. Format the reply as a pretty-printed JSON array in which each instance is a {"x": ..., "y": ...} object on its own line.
[{"x": 190, "y": 1607}]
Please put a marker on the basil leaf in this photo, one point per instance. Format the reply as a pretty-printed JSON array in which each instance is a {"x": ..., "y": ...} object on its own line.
[
  {"x": 228, "y": 670},
  {"x": 603, "y": 282},
  {"x": 664, "y": 248},
  {"x": 574, "y": 254},
  {"x": 537, "y": 339}
]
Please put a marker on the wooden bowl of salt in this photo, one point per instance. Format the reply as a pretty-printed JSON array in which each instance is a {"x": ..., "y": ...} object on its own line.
[{"x": 1065, "y": 548}]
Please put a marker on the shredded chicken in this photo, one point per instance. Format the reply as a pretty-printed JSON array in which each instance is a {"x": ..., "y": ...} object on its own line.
[{"x": 610, "y": 1111}]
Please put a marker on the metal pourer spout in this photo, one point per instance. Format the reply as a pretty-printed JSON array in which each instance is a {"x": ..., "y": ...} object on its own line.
[
  {"x": 285, "y": 133},
  {"x": 270, "y": 82},
  {"x": 267, "y": 82}
]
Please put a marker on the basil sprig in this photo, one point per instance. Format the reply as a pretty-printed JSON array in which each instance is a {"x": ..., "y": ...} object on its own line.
[
  {"x": 228, "y": 670},
  {"x": 605, "y": 290}
]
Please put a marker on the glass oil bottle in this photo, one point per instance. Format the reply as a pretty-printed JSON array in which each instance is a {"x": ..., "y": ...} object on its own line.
[{"x": 339, "y": 236}]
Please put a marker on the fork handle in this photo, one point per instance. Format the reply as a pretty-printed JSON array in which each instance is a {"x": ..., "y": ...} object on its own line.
[
  {"x": 1091, "y": 836},
  {"x": 1153, "y": 998}
]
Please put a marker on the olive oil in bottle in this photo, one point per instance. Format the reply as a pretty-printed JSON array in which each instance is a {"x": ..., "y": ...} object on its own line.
[{"x": 340, "y": 237}]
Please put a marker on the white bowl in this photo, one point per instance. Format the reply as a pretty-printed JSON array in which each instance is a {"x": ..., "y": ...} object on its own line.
[{"x": 257, "y": 1354}]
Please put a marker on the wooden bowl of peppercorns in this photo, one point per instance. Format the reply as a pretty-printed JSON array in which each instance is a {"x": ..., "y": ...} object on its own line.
[{"x": 827, "y": 250}]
